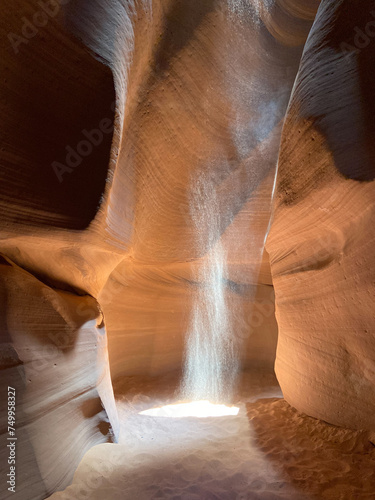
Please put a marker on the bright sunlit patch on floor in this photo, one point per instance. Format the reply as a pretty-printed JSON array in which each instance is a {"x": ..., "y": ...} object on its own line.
[{"x": 199, "y": 409}]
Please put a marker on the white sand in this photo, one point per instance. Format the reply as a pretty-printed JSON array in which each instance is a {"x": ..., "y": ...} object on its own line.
[{"x": 268, "y": 451}]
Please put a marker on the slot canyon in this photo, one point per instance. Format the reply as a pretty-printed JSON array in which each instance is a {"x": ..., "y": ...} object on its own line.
[{"x": 187, "y": 249}]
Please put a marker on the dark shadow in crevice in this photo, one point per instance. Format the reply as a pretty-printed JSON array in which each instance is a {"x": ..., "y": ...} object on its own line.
[
  {"x": 341, "y": 69},
  {"x": 53, "y": 91}
]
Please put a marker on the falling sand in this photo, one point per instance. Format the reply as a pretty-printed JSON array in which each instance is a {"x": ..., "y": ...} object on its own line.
[{"x": 211, "y": 358}]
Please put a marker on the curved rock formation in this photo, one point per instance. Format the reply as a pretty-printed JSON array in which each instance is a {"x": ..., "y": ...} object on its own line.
[
  {"x": 321, "y": 241},
  {"x": 190, "y": 98},
  {"x": 54, "y": 355},
  {"x": 53, "y": 342}
]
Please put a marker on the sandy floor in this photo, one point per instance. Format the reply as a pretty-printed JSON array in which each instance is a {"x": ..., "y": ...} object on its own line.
[{"x": 267, "y": 452}]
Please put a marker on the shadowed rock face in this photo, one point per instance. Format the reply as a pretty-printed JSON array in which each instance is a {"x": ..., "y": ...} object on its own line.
[
  {"x": 53, "y": 349},
  {"x": 54, "y": 355},
  {"x": 97, "y": 233}
]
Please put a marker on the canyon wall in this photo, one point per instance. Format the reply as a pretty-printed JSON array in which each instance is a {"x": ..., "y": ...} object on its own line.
[
  {"x": 53, "y": 349},
  {"x": 321, "y": 244}
]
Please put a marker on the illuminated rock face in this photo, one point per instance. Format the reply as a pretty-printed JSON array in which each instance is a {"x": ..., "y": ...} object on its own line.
[
  {"x": 322, "y": 238},
  {"x": 198, "y": 102},
  {"x": 98, "y": 159}
]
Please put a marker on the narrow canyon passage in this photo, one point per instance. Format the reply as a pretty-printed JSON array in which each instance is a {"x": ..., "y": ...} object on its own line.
[{"x": 187, "y": 265}]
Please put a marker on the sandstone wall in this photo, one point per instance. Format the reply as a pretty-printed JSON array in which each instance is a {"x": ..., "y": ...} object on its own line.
[{"x": 321, "y": 244}]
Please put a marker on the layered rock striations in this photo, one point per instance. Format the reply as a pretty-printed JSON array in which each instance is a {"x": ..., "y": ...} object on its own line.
[{"x": 321, "y": 241}]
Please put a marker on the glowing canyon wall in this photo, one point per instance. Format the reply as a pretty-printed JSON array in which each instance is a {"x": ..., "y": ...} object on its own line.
[{"x": 322, "y": 238}]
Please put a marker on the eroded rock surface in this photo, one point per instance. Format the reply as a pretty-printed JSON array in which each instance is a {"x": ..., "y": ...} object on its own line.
[
  {"x": 54, "y": 356},
  {"x": 322, "y": 238}
]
